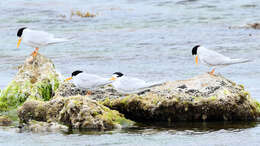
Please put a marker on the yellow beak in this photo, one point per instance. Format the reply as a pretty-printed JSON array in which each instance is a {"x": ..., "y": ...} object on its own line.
[
  {"x": 68, "y": 79},
  {"x": 112, "y": 79},
  {"x": 197, "y": 59},
  {"x": 19, "y": 42}
]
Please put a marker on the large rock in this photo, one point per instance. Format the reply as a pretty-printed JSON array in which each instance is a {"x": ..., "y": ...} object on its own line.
[
  {"x": 36, "y": 78},
  {"x": 76, "y": 112},
  {"x": 202, "y": 98}
]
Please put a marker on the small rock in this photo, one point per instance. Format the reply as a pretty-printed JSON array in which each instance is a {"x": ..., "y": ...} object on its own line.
[
  {"x": 183, "y": 86},
  {"x": 39, "y": 127},
  {"x": 254, "y": 25},
  {"x": 5, "y": 121}
]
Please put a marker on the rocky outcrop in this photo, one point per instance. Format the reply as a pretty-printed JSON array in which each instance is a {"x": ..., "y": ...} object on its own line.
[
  {"x": 76, "y": 112},
  {"x": 202, "y": 98},
  {"x": 45, "y": 101},
  {"x": 36, "y": 78}
]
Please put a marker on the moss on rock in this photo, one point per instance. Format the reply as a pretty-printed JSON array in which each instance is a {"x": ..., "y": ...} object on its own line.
[
  {"x": 202, "y": 98},
  {"x": 36, "y": 79},
  {"x": 76, "y": 112}
]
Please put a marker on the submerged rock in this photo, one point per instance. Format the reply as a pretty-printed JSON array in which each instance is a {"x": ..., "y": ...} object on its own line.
[
  {"x": 76, "y": 112},
  {"x": 38, "y": 127},
  {"x": 254, "y": 25},
  {"x": 5, "y": 121},
  {"x": 36, "y": 78},
  {"x": 202, "y": 98}
]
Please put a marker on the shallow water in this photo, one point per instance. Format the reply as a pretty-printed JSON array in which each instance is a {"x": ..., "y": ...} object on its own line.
[{"x": 149, "y": 39}]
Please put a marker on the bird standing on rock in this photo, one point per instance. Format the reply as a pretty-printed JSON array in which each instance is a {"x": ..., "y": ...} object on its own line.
[
  {"x": 88, "y": 81},
  {"x": 36, "y": 39},
  {"x": 127, "y": 85},
  {"x": 213, "y": 59}
]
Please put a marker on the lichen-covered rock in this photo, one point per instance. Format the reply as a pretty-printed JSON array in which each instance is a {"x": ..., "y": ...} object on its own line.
[
  {"x": 36, "y": 78},
  {"x": 67, "y": 89},
  {"x": 76, "y": 112},
  {"x": 5, "y": 121},
  {"x": 202, "y": 98}
]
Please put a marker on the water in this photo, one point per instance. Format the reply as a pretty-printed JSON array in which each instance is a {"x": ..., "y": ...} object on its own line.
[{"x": 149, "y": 39}]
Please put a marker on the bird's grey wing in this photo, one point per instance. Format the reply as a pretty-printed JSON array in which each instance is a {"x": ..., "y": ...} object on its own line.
[
  {"x": 133, "y": 83},
  {"x": 214, "y": 58},
  {"x": 40, "y": 38},
  {"x": 93, "y": 80}
]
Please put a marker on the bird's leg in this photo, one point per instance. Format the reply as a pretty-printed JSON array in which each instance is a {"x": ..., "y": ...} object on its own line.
[
  {"x": 34, "y": 53},
  {"x": 212, "y": 72}
]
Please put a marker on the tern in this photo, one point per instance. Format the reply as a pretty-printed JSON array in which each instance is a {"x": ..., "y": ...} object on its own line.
[
  {"x": 127, "y": 85},
  {"x": 88, "y": 81},
  {"x": 36, "y": 39},
  {"x": 213, "y": 59}
]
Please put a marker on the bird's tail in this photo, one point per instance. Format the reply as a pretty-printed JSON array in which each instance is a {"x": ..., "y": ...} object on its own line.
[
  {"x": 58, "y": 40},
  {"x": 153, "y": 84},
  {"x": 236, "y": 61}
]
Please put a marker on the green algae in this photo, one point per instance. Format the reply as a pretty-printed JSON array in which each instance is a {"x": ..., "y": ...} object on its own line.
[
  {"x": 45, "y": 90},
  {"x": 242, "y": 86},
  {"x": 12, "y": 96},
  {"x": 212, "y": 98},
  {"x": 17, "y": 93},
  {"x": 257, "y": 105},
  {"x": 113, "y": 117}
]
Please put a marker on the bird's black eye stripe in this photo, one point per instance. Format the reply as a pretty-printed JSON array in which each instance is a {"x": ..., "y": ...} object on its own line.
[
  {"x": 20, "y": 31},
  {"x": 195, "y": 50},
  {"x": 76, "y": 72}
]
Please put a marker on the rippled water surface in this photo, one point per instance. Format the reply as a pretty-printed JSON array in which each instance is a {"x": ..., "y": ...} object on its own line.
[{"x": 149, "y": 39}]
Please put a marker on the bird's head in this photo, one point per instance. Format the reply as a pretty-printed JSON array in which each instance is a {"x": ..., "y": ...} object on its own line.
[
  {"x": 116, "y": 75},
  {"x": 19, "y": 35},
  {"x": 195, "y": 53},
  {"x": 73, "y": 74}
]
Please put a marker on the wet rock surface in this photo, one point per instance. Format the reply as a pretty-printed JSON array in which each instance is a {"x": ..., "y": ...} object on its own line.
[
  {"x": 76, "y": 112},
  {"x": 39, "y": 127},
  {"x": 202, "y": 98}
]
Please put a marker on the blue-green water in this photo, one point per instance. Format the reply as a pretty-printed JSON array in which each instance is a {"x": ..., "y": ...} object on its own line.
[{"x": 149, "y": 39}]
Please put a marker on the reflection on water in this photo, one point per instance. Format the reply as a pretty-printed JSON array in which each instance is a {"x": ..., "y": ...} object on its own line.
[
  {"x": 173, "y": 128},
  {"x": 211, "y": 133},
  {"x": 147, "y": 39}
]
